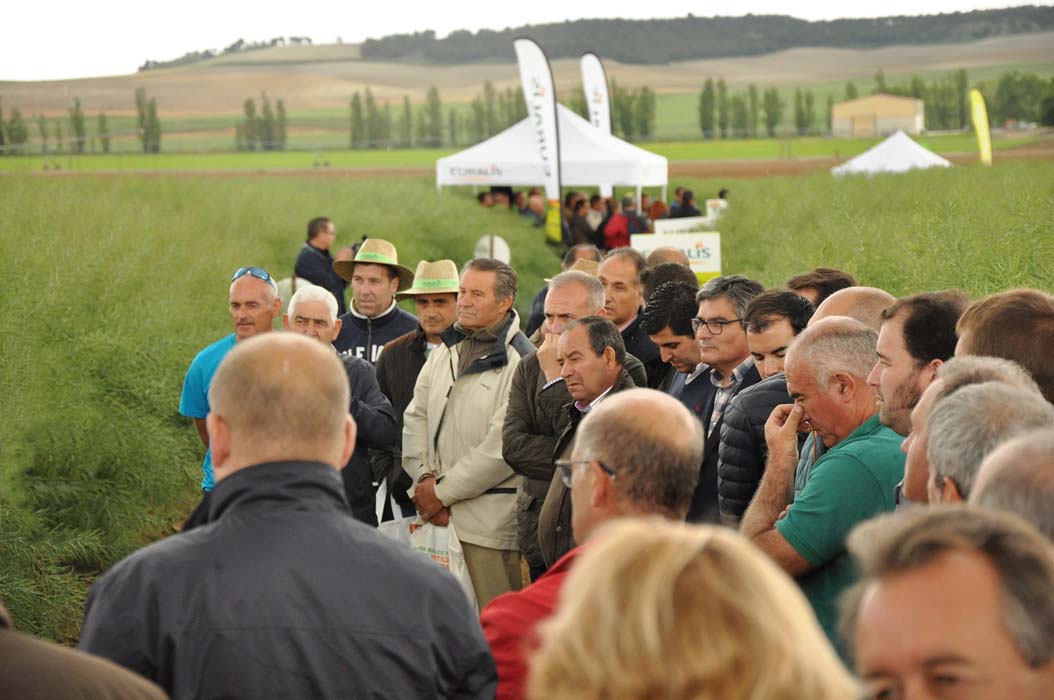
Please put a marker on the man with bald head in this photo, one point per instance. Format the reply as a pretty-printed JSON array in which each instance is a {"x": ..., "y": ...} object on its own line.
[
  {"x": 283, "y": 593},
  {"x": 254, "y": 305},
  {"x": 826, "y": 368},
  {"x": 623, "y": 464},
  {"x": 1018, "y": 477},
  {"x": 667, "y": 254}
]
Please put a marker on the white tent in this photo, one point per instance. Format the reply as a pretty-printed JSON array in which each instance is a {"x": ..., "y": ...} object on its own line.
[
  {"x": 897, "y": 154},
  {"x": 588, "y": 157}
]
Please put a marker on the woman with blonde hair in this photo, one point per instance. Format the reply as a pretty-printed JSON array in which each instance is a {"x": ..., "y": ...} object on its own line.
[{"x": 668, "y": 611}]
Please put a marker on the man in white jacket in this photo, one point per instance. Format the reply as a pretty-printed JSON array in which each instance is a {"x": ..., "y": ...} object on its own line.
[{"x": 452, "y": 428}]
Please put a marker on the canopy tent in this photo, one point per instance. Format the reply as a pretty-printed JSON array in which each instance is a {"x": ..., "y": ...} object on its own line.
[
  {"x": 897, "y": 154},
  {"x": 588, "y": 157}
]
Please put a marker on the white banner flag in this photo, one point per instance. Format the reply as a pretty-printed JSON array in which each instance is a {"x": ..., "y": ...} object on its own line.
[
  {"x": 540, "y": 95},
  {"x": 595, "y": 86}
]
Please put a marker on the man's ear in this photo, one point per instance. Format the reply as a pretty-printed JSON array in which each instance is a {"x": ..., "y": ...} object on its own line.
[
  {"x": 950, "y": 491},
  {"x": 285, "y": 321},
  {"x": 350, "y": 433},
  {"x": 602, "y": 487},
  {"x": 929, "y": 371},
  {"x": 846, "y": 383},
  {"x": 609, "y": 358},
  {"x": 219, "y": 439},
  {"x": 337, "y": 325}
]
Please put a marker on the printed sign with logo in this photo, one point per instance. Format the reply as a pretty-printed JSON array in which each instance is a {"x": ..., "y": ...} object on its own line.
[
  {"x": 688, "y": 224},
  {"x": 703, "y": 249}
]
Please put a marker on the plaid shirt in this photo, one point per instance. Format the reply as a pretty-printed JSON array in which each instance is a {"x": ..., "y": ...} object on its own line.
[{"x": 724, "y": 393}]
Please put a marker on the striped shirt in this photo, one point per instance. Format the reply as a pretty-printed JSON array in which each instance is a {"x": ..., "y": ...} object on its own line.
[{"x": 724, "y": 394}]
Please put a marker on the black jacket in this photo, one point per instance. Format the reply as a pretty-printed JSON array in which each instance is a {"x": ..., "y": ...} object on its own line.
[
  {"x": 704, "y": 501},
  {"x": 375, "y": 421},
  {"x": 397, "y": 370},
  {"x": 743, "y": 451},
  {"x": 316, "y": 266},
  {"x": 284, "y": 595},
  {"x": 366, "y": 337},
  {"x": 640, "y": 346}
]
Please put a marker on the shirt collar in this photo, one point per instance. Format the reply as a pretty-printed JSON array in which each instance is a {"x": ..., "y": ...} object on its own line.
[
  {"x": 356, "y": 314},
  {"x": 627, "y": 324},
  {"x": 586, "y": 408},
  {"x": 737, "y": 374},
  {"x": 699, "y": 369}
]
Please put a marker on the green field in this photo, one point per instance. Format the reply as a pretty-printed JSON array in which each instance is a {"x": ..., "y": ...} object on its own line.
[
  {"x": 112, "y": 284},
  {"x": 323, "y": 161}
]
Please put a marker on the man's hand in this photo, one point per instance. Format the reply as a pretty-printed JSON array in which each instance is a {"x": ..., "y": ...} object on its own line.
[
  {"x": 425, "y": 498},
  {"x": 345, "y": 253},
  {"x": 781, "y": 434},
  {"x": 547, "y": 357},
  {"x": 442, "y": 518}
]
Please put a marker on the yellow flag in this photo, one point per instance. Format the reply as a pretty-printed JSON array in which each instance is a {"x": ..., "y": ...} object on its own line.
[
  {"x": 980, "y": 125},
  {"x": 553, "y": 221}
]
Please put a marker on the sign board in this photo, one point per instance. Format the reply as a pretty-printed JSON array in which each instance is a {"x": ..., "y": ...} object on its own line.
[
  {"x": 703, "y": 249},
  {"x": 714, "y": 207},
  {"x": 688, "y": 224}
]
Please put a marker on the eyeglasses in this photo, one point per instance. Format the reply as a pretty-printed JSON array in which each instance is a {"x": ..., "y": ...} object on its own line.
[
  {"x": 257, "y": 272},
  {"x": 715, "y": 327},
  {"x": 567, "y": 467}
]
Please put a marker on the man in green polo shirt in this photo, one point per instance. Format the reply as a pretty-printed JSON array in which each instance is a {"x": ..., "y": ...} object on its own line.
[{"x": 827, "y": 368}]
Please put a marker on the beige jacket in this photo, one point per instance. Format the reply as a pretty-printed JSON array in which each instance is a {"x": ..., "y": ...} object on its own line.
[{"x": 452, "y": 428}]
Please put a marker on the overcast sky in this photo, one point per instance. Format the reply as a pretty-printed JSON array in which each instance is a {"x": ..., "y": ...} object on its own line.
[{"x": 65, "y": 39}]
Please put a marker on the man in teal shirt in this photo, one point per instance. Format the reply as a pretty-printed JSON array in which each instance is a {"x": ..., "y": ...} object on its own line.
[{"x": 827, "y": 368}]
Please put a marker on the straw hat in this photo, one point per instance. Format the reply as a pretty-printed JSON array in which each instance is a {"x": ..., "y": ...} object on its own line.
[
  {"x": 375, "y": 251},
  {"x": 590, "y": 267},
  {"x": 439, "y": 277}
]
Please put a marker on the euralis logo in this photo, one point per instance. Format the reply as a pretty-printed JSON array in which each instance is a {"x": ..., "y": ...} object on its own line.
[
  {"x": 468, "y": 172},
  {"x": 537, "y": 105},
  {"x": 698, "y": 252}
]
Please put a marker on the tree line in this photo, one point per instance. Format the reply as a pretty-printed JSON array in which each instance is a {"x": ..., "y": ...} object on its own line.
[
  {"x": 632, "y": 110},
  {"x": 659, "y": 41},
  {"x": 266, "y": 130},
  {"x": 239, "y": 46}
]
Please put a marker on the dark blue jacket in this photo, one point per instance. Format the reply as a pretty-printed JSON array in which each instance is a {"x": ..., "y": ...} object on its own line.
[
  {"x": 316, "y": 266},
  {"x": 366, "y": 337}
]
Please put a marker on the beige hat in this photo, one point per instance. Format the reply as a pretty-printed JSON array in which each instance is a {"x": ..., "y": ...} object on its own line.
[
  {"x": 375, "y": 251},
  {"x": 439, "y": 277},
  {"x": 590, "y": 267}
]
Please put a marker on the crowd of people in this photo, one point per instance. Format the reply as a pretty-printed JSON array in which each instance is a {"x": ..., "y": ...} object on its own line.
[
  {"x": 605, "y": 222},
  {"x": 660, "y": 489}
]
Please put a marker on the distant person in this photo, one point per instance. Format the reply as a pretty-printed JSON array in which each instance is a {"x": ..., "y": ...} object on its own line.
[
  {"x": 634, "y": 222},
  {"x": 1016, "y": 325},
  {"x": 485, "y": 199},
  {"x": 816, "y": 285},
  {"x": 314, "y": 263},
  {"x": 773, "y": 320},
  {"x": 254, "y": 306},
  {"x": 965, "y": 427},
  {"x": 719, "y": 328},
  {"x": 658, "y": 210},
  {"x": 614, "y": 228},
  {"x": 595, "y": 215},
  {"x": 283, "y": 594},
  {"x": 666, "y": 610},
  {"x": 1018, "y": 477},
  {"x": 687, "y": 207},
  {"x": 675, "y": 203},
  {"x": 952, "y": 602},
  {"x": 312, "y": 312},
  {"x": 435, "y": 299},
  {"x": 35, "y": 669},
  {"x": 374, "y": 317},
  {"x": 826, "y": 368},
  {"x": 519, "y": 199},
  {"x": 622, "y": 464},
  {"x": 956, "y": 373},
  {"x": 581, "y": 232},
  {"x": 620, "y": 274},
  {"x": 535, "y": 210}
]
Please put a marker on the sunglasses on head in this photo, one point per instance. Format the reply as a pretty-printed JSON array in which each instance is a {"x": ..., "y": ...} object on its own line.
[{"x": 257, "y": 272}]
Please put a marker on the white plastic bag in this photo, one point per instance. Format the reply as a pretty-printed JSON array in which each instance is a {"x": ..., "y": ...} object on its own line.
[{"x": 439, "y": 543}]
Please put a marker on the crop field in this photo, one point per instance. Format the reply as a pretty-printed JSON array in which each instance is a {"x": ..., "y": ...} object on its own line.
[{"x": 113, "y": 283}]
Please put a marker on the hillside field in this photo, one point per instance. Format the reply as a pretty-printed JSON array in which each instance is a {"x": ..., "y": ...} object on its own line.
[{"x": 112, "y": 284}]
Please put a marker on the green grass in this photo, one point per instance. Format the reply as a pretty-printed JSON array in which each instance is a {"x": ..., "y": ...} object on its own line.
[{"x": 112, "y": 284}]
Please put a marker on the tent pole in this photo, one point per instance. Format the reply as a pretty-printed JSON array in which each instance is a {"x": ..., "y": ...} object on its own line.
[
  {"x": 664, "y": 193},
  {"x": 638, "y": 198}
]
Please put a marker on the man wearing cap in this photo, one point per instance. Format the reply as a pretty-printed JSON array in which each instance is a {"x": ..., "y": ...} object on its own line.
[
  {"x": 254, "y": 305},
  {"x": 374, "y": 319},
  {"x": 452, "y": 428},
  {"x": 435, "y": 295}
]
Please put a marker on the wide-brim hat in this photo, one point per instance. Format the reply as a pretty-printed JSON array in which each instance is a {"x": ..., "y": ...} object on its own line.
[
  {"x": 439, "y": 277},
  {"x": 590, "y": 267},
  {"x": 375, "y": 251}
]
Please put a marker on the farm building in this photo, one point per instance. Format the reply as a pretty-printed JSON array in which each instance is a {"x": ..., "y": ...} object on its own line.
[{"x": 877, "y": 115}]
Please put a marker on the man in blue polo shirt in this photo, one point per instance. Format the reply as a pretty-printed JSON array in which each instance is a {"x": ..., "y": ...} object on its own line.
[
  {"x": 827, "y": 367},
  {"x": 254, "y": 306}
]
